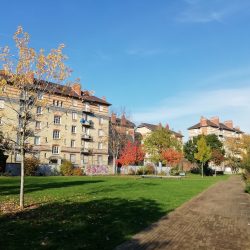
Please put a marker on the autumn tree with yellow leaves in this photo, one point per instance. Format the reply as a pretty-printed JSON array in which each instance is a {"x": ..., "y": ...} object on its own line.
[{"x": 29, "y": 72}]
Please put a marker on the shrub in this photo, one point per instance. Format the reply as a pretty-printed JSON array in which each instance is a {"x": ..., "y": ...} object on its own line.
[
  {"x": 141, "y": 171},
  {"x": 31, "y": 165},
  {"x": 77, "y": 172},
  {"x": 149, "y": 169},
  {"x": 131, "y": 171},
  {"x": 66, "y": 168}
]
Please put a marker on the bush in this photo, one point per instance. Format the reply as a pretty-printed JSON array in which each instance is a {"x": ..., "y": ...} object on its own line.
[
  {"x": 141, "y": 171},
  {"x": 149, "y": 169},
  {"x": 77, "y": 172},
  {"x": 66, "y": 168},
  {"x": 31, "y": 165},
  {"x": 247, "y": 188},
  {"x": 131, "y": 171}
]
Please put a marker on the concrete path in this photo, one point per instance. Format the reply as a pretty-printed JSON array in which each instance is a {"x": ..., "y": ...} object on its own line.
[{"x": 218, "y": 218}]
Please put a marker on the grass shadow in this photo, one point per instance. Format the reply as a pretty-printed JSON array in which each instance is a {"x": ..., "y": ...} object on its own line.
[
  {"x": 29, "y": 188},
  {"x": 98, "y": 224}
]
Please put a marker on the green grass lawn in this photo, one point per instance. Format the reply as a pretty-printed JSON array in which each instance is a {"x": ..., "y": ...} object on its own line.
[{"x": 89, "y": 212}]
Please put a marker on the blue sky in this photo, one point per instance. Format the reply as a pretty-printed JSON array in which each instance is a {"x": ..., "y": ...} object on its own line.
[{"x": 164, "y": 61}]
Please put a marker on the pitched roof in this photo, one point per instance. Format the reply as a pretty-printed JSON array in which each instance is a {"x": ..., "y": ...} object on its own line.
[
  {"x": 221, "y": 126},
  {"x": 153, "y": 127},
  {"x": 64, "y": 90},
  {"x": 128, "y": 124}
]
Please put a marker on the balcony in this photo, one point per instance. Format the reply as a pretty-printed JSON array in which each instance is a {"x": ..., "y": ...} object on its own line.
[
  {"x": 86, "y": 151},
  {"x": 86, "y": 137},
  {"x": 87, "y": 123},
  {"x": 88, "y": 110}
]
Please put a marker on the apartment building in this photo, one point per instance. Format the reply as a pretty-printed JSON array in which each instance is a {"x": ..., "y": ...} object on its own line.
[
  {"x": 69, "y": 124},
  {"x": 213, "y": 126},
  {"x": 146, "y": 128},
  {"x": 123, "y": 125}
]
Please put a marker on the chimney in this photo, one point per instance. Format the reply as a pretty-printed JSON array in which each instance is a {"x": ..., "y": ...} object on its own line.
[
  {"x": 77, "y": 88},
  {"x": 203, "y": 122},
  {"x": 123, "y": 120},
  {"x": 113, "y": 118},
  {"x": 167, "y": 126},
  {"x": 104, "y": 98},
  {"x": 229, "y": 124},
  {"x": 215, "y": 120},
  {"x": 237, "y": 127}
]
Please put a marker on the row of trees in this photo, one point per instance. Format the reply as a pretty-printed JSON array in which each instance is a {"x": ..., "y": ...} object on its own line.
[{"x": 160, "y": 146}]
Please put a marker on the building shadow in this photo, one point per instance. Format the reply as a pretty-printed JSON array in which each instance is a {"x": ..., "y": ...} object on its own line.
[
  {"x": 97, "y": 224},
  {"x": 29, "y": 188}
]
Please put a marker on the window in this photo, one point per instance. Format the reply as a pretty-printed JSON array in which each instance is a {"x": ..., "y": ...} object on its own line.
[
  {"x": 100, "y": 120},
  {"x": 74, "y": 102},
  {"x": 57, "y": 119},
  {"x": 74, "y": 115},
  {"x": 73, "y": 129},
  {"x": 46, "y": 139},
  {"x": 55, "y": 149},
  {"x": 86, "y": 159},
  {"x": 1, "y": 104},
  {"x": 37, "y": 140},
  {"x": 73, "y": 144},
  {"x": 39, "y": 110},
  {"x": 73, "y": 158},
  {"x": 100, "y": 108},
  {"x": 56, "y": 134},
  {"x": 61, "y": 104},
  {"x": 99, "y": 145},
  {"x": 57, "y": 103},
  {"x": 87, "y": 107},
  {"x": 39, "y": 95},
  {"x": 38, "y": 124},
  {"x": 66, "y": 127},
  {"x": 99, "y": 159},
  {"x": 1, "y": 121},
  {"x": 100, "y": 132}
]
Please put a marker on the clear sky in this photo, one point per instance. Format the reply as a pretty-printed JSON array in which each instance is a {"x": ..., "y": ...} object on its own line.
[{"x": 167, "y": 61}]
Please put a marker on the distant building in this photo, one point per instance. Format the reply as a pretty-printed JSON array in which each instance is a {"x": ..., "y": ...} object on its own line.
[
  {"x": 214, "y": 126},
  {"x": 146, "y": 128}
]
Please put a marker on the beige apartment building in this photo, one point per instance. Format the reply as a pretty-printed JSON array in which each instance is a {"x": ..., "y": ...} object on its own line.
[
  {"x": 69, "y": 123},
  {"x": 214, "y": 126},
  {"x": 146, "y": 128}
]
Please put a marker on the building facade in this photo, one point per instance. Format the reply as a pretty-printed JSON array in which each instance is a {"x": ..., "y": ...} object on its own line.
[
  {"x": 68, "y": 124},
  {"x": 214, "y": 126}
]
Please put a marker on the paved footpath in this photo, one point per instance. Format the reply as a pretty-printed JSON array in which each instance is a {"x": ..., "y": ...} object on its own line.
[{"x": 217, "y": 219}]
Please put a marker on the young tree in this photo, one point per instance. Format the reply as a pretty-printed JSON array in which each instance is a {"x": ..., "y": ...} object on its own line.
[
  {"x": 118, "y": 136},
  {"x": 132, "y": 153},
  {"x": 159, "y": 141},
  {"x": 29, "y": 73},
  {"x": 172, "y": 157},
  {"x": 204, "y": 153}
]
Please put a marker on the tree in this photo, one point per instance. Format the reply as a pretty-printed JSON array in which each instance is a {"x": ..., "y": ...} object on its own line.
[
  {"x": 233, "y": 152},
  {"x": 118, "y": 137},
  {"x": 132, "y": 153},
  {"x": 159, "y": 141},
  {"x": 191, "y": 147},
  {"x": 30, "y": 74},
  {"x": 172, "y": 157},
  {"x": 204, "y": 153}
]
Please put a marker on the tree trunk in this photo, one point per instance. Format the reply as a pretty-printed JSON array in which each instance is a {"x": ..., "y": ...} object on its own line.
[
  {"x": 114, "y": 165},
  {"x": 202, "y": 174},
  {"x": 22, "y": 179}
]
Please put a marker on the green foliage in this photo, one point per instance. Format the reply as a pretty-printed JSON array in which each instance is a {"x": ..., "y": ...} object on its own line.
[
  {"x": 204, "y": 153},
  {"x": 191, "y": 147},
  {"x": 31, "y": 165},
  {"x": 66, "y": 168},
  {"x": 158, "y": 141}
]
